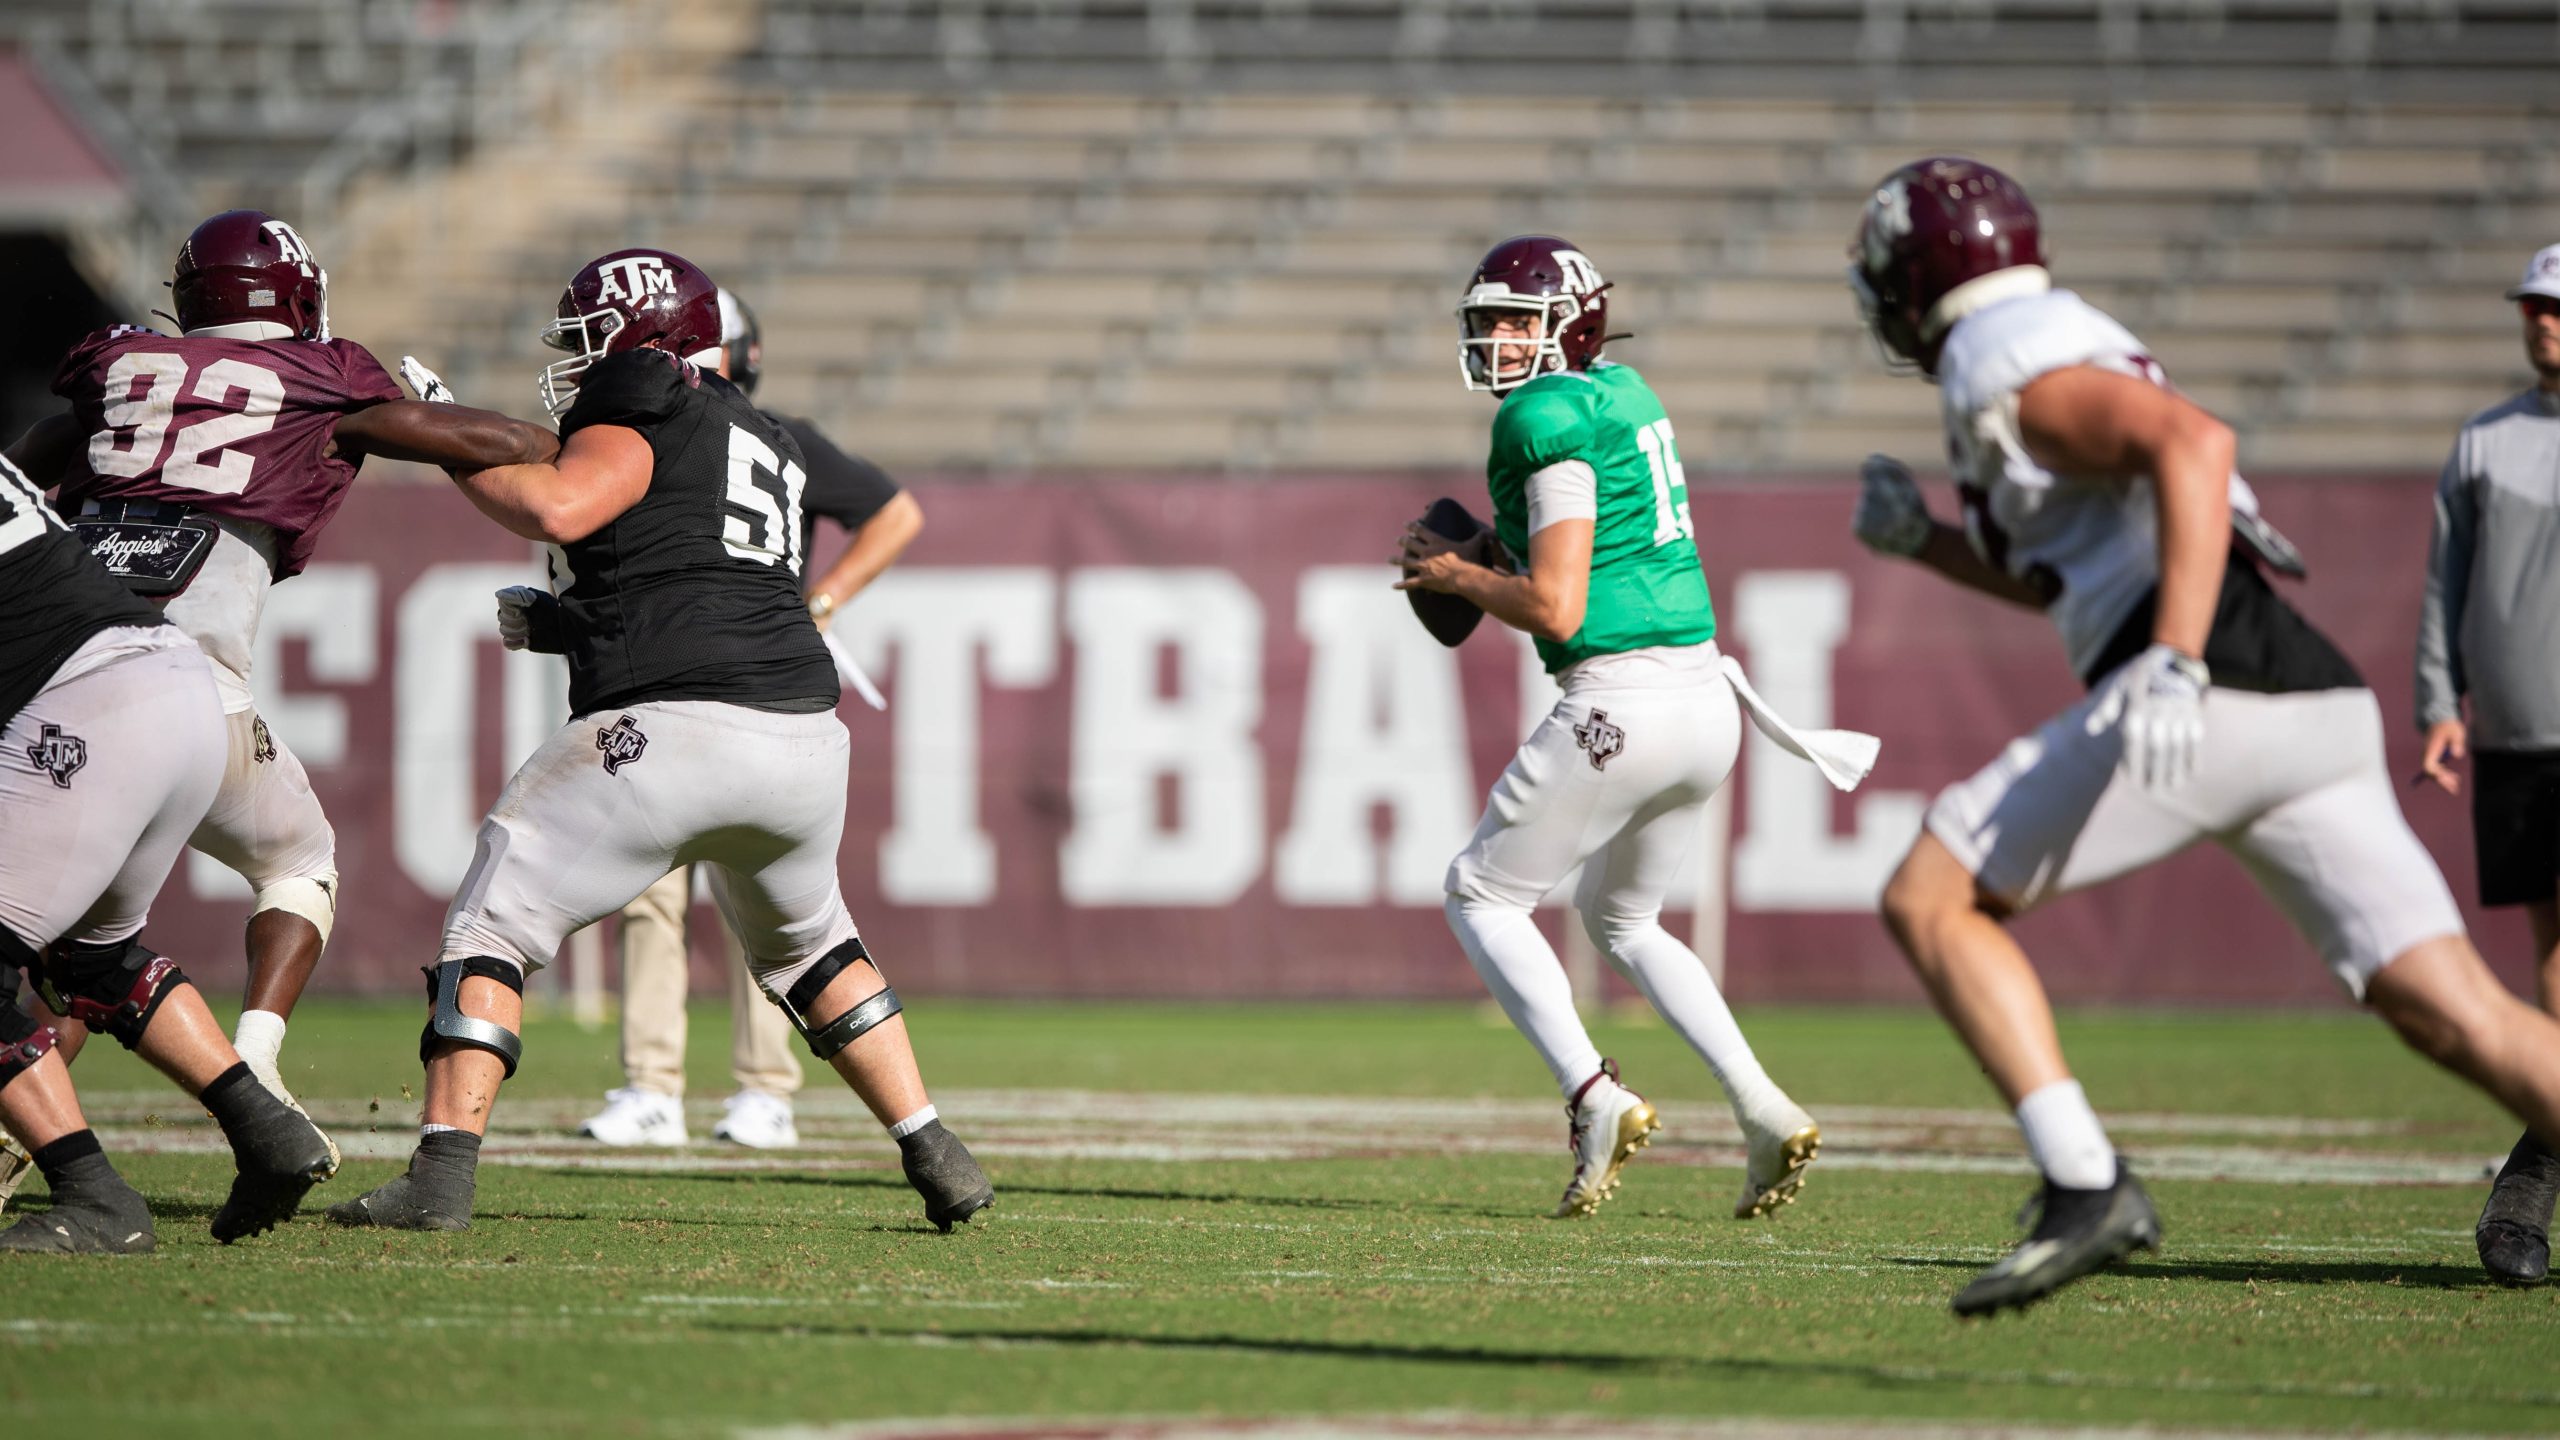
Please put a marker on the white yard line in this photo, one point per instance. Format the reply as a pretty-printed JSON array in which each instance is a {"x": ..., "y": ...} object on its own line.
[
  {"x": 1465, "y": 1427},
  {"x": 1191, "y": 1128}
]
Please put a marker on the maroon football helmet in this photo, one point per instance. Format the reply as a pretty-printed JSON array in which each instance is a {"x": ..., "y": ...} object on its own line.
[
  {"x": 1539, "y": 276},
  {"x": 246, "y": 266},
  {"x": 1931, "y": 226},
  {"x": 623, "y": 301}
]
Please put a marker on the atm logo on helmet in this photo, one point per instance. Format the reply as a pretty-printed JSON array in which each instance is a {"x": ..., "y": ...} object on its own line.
[
  {"x": 289, "y": 246},
  {"x": 634, "y": 278},
  {"x": 1581, "y": 277}
]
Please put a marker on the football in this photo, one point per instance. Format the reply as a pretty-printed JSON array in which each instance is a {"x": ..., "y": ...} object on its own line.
[{"x": 1449, "y": 618}]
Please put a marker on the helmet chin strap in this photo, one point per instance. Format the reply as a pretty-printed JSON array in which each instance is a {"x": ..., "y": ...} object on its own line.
[{"x": 1981, "y": 293}]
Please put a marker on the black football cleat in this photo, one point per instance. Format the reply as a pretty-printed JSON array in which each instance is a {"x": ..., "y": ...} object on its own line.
[
  {"x": 434, "y": 1193},
  {"x": 106, "y": 1224},
  {"x": 279, "y": 1155},
  {"x": 2077, "y": 1231},
  {"x": 2514, "y": 1234},
  {"x": 945, "y": 1174}
]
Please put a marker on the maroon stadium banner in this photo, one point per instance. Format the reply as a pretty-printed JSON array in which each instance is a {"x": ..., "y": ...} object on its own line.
[{"x": 1179, "y": 738}]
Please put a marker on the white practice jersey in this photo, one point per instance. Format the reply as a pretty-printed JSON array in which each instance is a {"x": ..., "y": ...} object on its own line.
[{"x": 2097, "y": 536}]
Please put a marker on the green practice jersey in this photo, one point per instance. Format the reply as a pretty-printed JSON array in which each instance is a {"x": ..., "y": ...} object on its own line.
[{"x": 1646, "y": 587}]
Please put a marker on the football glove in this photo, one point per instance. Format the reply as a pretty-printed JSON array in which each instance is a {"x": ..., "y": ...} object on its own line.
[
  {"x": 529, "y": 619},
  {"x": 424, "y": 383},
  {"x": 1892, "y": 519},
  {"x": 2156, "y": 702}
]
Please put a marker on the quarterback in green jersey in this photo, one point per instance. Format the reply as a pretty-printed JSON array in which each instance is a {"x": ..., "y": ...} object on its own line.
[{"x": 1591, "y": 554}]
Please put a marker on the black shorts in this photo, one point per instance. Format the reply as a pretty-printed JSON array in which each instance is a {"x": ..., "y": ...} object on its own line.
[{"x": 2515, "y": 824}]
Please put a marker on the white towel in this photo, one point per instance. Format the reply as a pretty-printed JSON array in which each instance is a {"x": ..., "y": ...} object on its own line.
[
  {"x": 1843, "y": 756},
  {"x": 851, "y": 674}
]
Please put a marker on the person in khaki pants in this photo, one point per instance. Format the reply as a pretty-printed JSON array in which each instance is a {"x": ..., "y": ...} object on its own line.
[{"x": 649, "y": 1108}]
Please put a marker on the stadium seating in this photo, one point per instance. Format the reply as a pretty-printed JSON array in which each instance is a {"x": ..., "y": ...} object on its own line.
[{"x": 1052, "y": 235}]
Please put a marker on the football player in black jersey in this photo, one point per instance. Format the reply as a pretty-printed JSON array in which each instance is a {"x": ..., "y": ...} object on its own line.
[
  {"x": 703, "y": 730},
  {"x": 648, "y": 1107}
]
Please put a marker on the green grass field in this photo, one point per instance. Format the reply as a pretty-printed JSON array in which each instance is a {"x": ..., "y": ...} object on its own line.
[{"x": 1306, "y": 1211}]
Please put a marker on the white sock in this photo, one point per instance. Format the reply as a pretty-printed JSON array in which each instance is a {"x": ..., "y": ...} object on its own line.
[
  {"x": 426, "y": 1130},
  {"x": 1521, "y": 969},
  {"x": 2065, "y": 1138},
  {"x": 914, "y": 1123},
  {"x": 258, "y": 1036},
  {"x": 1679, "y": 988}
]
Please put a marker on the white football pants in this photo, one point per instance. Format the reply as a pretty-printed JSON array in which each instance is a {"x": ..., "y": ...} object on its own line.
[
  {"x": 1614, "y": 780},
  {"x": 2295, "y": 786},
  {"x": 756, "y": 795},
  {"x": 265, "y": 822},
  {"x": 101, "y": 777}
]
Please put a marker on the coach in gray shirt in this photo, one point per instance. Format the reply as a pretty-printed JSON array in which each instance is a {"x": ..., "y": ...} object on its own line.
[{"x": 2490, "y": 630}]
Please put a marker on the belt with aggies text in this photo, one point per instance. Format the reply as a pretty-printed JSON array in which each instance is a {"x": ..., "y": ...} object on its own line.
[{"x": 154, "y": 546}]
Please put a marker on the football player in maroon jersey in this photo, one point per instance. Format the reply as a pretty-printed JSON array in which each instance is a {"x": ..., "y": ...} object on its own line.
[
  {"x": 201, "y": 467},
  {"x": 115, "y": 714}
]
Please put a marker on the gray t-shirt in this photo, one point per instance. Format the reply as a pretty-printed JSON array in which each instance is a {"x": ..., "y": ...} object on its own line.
[{"x": 2490, "y": 627}]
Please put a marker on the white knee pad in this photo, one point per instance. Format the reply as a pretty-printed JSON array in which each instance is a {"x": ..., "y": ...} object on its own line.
[{"x": 313, "y": 897}]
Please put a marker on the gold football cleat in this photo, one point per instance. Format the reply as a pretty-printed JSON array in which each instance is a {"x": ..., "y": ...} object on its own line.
[
  {"x": 1595, "y": 1172},
  {"x": 1790, "y": 1158}
]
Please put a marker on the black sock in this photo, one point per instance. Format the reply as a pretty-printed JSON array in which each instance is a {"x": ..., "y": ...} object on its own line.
[
  {"x": 75, "y": 1167},
  {"x": 450, "y": 1153},
  {"x": 238, "y": 1101},
  {"x": 264, "y": 1133},
  {"x": 444, "y": 1174},
  {"x": 218, "y": 1092}
]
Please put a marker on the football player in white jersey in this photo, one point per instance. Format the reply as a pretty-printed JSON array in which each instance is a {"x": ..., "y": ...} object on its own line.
[{"x": 2094, "y": 492}]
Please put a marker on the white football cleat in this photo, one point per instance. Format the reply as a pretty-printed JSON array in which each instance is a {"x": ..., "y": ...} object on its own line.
[
  {"x": 15, "y": 1162},
  {"x": 1608, "y": 1122},
  {"x": 1783, "y": 1141},
  {"x": 637, "y": 1117},
  {"x": 758, "y": 1120}
]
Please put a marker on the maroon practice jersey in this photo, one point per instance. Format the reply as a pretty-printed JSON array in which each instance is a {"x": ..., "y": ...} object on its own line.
[{"x": 236, "y": 428}]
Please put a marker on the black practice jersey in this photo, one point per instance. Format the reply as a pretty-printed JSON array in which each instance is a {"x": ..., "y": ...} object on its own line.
[
  {"x": 54, "y": 594},
  {"x": 2258, "y": 642},
  {"x": 844, "y": 488},
  {"x": 694, "y": 593}
]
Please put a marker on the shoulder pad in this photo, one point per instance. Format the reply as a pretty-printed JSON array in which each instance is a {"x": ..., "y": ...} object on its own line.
[
  {"x": 2003, "y": 349},
  {"x": 77, "y": 361},
  {"x": 638, "y": 388}
]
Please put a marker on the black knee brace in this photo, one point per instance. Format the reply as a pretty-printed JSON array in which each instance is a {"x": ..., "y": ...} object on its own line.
[
  {"x": 23, "y": 1042},
  {"x": 828, "y": 1040},
  {"x": 445, "y": 1020},
  {"x": 113, "y": 986}
]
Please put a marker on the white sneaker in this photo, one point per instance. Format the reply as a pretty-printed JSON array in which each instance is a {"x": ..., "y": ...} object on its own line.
[
  {"x": 15, "y": 1162},
  {"x": 264, "y": 1072},
  {"x": 1783, "y": 1141},
  {"x": 1607, "y": 1123},
  {"x": 637, "y": 1117},
  {"x": 757, "y": 1120}
]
